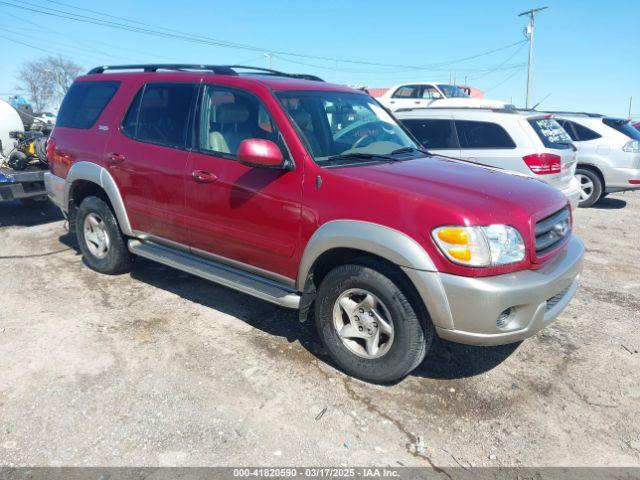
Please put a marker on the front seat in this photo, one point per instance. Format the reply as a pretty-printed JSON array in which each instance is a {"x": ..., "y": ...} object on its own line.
[{"x": 231, "y": 118}]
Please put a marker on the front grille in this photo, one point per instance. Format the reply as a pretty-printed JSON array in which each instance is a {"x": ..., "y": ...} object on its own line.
[{"x": 552, "y": 230}]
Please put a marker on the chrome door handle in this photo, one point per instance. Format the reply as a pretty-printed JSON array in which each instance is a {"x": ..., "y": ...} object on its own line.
[{"x": 202, "y": 176}]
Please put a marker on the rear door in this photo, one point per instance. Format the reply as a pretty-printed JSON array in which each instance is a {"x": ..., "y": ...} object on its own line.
[
  {"x": 148, "y": 155},
  {"x": 407, "y": 96},
  {"x": 436, "y": 134},
  {"x": 488, "y": 143}
]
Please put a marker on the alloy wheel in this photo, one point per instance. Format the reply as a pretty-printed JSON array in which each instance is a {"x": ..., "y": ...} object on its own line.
[
  {"x": 363, "y": 323},
  {"x": 96, "y": 237}
]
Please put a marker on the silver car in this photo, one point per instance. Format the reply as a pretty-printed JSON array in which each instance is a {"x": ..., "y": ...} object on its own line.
[{"x": 608, "y": 154}]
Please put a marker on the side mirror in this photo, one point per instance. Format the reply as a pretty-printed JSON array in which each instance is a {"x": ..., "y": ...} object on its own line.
[{"x": 260, "y": 153}]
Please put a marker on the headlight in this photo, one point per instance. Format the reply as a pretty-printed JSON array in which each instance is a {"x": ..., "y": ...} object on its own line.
[
  {"x": 480, "y": 246},
  {"x": 633, "y": 146}
]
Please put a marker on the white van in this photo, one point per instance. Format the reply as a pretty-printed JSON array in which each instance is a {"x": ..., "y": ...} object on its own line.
[{"x": 530, "y": 143}]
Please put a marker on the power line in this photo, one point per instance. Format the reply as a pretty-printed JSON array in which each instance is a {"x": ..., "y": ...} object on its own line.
[{"x": 165, "y": 33}]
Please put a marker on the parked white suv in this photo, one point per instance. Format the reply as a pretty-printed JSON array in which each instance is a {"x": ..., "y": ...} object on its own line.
[
  {"x": 608, "y": 154},
  {"x": 432, "y": 94},
  {"x": 530, "y": 143}
]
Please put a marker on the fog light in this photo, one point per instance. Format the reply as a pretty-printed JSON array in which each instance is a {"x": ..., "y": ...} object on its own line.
[{"x": 504, "y": 318}]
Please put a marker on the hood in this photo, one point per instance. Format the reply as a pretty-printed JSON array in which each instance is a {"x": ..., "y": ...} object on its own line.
[{"x": 472, "y": 194}]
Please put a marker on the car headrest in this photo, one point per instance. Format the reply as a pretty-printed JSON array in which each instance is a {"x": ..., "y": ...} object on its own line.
[
  {"x": 231, "y": 113},
  {"x": 302, "y": 118}
]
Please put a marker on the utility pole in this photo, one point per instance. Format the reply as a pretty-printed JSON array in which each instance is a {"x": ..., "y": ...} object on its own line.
[
  {"x": 270, "y": 60},
  {"x": 529, "y": 36},
  {"x": 630, "y": 103}
]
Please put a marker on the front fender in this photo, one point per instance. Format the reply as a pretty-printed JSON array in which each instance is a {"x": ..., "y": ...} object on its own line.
[{"x": 388, "y": 243}]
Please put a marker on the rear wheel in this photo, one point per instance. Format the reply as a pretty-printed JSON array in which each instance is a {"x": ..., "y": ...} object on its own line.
[
  {"x": 370, "y": 323},
  {"x": 101, "y": 242},
  {"x": 590, "y": 187}
]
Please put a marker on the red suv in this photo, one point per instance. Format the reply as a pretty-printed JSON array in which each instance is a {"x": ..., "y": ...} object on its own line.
[{"x": 310, "y": 196}]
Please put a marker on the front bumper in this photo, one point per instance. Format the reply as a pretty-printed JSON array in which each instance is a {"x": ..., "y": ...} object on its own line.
[{"x": 465, "y": 309}]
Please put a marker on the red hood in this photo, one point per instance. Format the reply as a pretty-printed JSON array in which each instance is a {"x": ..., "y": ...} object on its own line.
[{"x": 484, "y": 195}]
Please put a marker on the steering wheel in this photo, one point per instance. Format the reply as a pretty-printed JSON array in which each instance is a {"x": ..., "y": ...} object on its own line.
[{"x": 361, "y": 140}]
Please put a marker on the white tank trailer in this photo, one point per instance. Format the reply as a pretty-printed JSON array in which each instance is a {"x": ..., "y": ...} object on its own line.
[{"x": 9, "y": 122}]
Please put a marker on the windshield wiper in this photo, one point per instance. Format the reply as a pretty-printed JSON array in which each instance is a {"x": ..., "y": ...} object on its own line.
[
  {"x": 409, "y": 150},
  {"x": 359, "y": 156}
]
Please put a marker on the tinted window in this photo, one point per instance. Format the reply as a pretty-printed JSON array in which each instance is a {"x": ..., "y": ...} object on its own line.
[
  {"x": 551, "y": 133},
  {"x": 229, "y": 116},
  {"x": 582, "y": 133},
  {"x": 163, "y": 115},
  {"x": 84, "y": 103},
  {"x": 130, "y": 123},
  {"x": 433, "y": 134},
  {"x": 622, "y": 126},
  {"x": 408, "y": 91},
  {"x": 482, "y": 135}
]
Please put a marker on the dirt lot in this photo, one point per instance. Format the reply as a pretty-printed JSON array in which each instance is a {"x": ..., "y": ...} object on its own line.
[{"x": 162, "y": 368}]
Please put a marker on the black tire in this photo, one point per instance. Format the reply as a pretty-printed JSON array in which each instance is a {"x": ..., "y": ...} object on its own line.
[
  {"x": 18, "y": 161},
  {"x": 413, "y": 330},
  {"x": 595, "y": 191},
  {"x": 117, "y": 258}
]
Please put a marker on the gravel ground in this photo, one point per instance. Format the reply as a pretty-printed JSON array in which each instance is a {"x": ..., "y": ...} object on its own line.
[{"x": 159, "y": 368}]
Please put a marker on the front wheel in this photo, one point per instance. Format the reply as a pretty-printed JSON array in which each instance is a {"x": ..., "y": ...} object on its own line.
[
  {"x": 590, "y": 187},
  {"x": 370, "y": 323},
  {"x": 101, "y": 242}
]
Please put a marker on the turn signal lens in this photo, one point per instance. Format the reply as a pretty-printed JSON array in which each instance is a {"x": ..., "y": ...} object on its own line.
[
  {"x": 456, "y": 236},
  {"x": 480, "y": 246}
]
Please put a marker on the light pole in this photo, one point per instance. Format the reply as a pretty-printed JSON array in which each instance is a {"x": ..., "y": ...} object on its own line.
[{"x": 529, "y": 35}]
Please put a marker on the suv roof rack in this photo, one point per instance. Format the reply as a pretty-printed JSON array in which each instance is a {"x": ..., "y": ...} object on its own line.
[
  {"x": 217, "y": 69},
  {"x": 276, "y": 73},
  {"x": 586, "y": 114},
  {"x": 492, "y": 109}
]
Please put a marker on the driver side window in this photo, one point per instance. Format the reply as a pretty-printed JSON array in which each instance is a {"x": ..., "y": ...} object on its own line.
[{"x": 229, "y": 116}]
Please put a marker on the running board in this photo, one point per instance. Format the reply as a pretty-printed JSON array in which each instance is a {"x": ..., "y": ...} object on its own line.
[{"x": 217, "y": 272}]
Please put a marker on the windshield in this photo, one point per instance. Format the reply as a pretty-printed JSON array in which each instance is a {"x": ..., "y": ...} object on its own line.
[
  {"x": 451, "y": 91},
  {"x": 623, "y": 126},
  {"x": 344, "y": 124}
]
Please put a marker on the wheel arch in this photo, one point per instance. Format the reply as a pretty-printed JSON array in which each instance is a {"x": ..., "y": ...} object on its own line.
[
  {"x": 83, "y": 173},
  {"x": 595, "y": 169},
  {"x": 378, "y": 240}
]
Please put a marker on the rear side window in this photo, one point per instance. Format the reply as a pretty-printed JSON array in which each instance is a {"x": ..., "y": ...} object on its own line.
[
  {"x": 408, "y": 91},
  {"x": 551, "y": 133},
  {"x": 578, "y": 132},
  {"x": 622, "y": 126},
  {"x": 482, "y": 135},
  {"x": 84, "y": 103},
  {"x": 160, "y": 114},
  {"x": 433, "y": 133}
]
